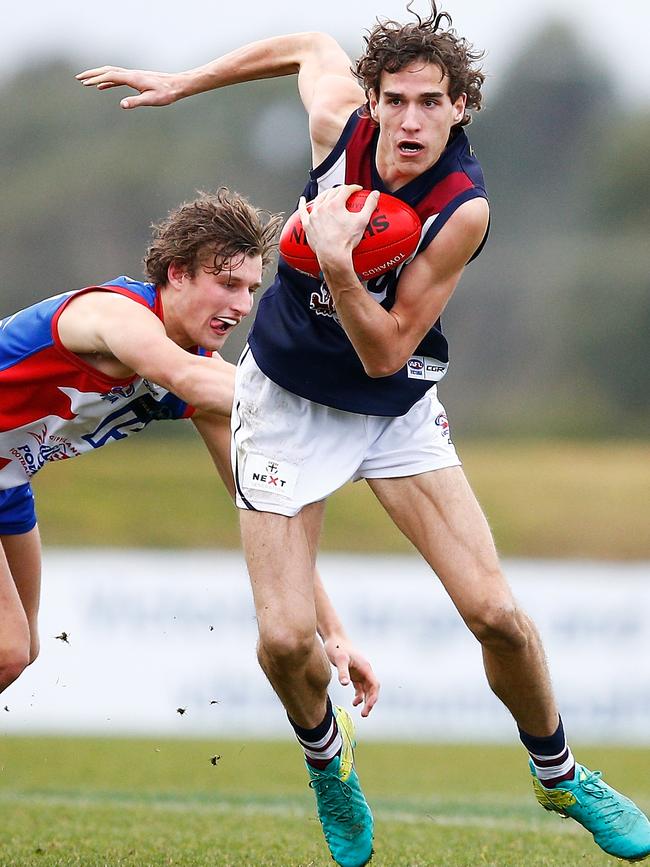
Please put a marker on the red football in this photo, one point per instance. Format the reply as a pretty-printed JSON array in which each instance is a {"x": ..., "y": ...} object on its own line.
[{"x": 392, "y": 235}]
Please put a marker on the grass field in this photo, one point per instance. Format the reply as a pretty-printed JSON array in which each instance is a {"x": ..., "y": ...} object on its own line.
[
  {"x": 91, "y": 802},
  {"x": 543, "y": 499}
]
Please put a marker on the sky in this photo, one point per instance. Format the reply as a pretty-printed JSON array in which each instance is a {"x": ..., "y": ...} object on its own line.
[{"x": 170, "y": 36}]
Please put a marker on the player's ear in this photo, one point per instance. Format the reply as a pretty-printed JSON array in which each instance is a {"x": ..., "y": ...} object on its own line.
[
  {"x": 373, "y": 100},
  {"x": 176, "y": 271},
  {"x": 459, "y": 108}
]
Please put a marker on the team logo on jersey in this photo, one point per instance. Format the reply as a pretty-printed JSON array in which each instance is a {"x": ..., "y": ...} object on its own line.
[
  {"x": 415, "y": 368},
  {"x": 118, "y": 392},
  {"x": 32, "y": 456},
  {"x": 270, "y": 474},
  {"x": 322, "y": 303},
  {"x": 124, "y": 392},
  {"x": 40, "y": 436}
]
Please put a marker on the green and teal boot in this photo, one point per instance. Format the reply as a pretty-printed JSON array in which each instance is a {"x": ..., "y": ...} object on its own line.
[
  {"x": 616, "y": 823},
  {"x": 342, "y": 809}
]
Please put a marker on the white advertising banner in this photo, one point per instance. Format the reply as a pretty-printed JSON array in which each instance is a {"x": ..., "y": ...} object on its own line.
[{"x": 146, "y": 642}]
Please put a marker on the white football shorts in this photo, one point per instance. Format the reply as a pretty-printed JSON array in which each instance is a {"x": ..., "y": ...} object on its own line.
[{"x": 288, "y": 451}]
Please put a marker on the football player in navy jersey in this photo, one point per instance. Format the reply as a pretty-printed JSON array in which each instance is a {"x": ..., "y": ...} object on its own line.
[
  {"x": 338, "y": 382},
  {"x": 92, "y": 366}
]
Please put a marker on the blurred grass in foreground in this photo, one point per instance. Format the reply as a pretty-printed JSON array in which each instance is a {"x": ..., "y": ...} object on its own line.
[
  {"x": 543, "y": 499},
  {"x": 85, "y": 801}
]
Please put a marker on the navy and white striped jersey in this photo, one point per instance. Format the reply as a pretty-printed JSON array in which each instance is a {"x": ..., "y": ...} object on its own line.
[{"x": 297, "y": 340}]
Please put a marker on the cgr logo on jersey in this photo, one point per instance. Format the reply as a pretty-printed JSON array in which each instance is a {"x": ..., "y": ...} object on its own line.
[
  {"x": 270, "y": 474},
  {"x": 421, "y": 367}
]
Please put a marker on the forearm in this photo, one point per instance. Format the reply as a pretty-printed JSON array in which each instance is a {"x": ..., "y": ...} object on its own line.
[
  {"x": 267, "y": 58},
  {"x": 207, "y": 384},
  {"x": 215, "y": 432},
  {"x": 328, "y": 621},
  {"x": 373, "y": 331},
  {"x": 381, "y": 340}
]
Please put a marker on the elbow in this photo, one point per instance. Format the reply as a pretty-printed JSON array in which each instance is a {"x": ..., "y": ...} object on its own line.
[
  {"x": 382, "y": 367},
  {"x": 386, "y": 358}
]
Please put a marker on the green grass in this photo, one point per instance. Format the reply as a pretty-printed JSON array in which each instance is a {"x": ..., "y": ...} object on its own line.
[
  {"x": 82, "y": 801},
  {"x": 543, "y": 499}
]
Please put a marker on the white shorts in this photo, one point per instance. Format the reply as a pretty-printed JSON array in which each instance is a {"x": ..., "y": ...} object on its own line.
[{"x": 288, "y": 451}]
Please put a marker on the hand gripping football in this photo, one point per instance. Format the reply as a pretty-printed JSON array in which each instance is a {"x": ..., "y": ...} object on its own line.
[{"x": 391, "y": 236}]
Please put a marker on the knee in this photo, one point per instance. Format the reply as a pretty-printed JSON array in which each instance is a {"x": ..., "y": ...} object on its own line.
[
  {"x": 285, "y": 648},
  {"x": 500, "y": 625},
  {"x": 12, "y": 664}
]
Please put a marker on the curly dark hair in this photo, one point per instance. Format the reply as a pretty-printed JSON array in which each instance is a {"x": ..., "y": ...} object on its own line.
[
  {"x": 214, "y": 230},
  {"x": 391, "y": 46}
]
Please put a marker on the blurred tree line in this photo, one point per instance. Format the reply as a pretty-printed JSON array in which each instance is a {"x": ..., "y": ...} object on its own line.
[{"x": 549, "y": 329}]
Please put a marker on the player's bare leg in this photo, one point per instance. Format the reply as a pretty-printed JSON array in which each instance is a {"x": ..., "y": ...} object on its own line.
[
  {"x": 20, "y": 573},
  {"x": 281, "y": 554},
  {"x": 439, "y": 513},
  {"x": 23, "y": 553}
]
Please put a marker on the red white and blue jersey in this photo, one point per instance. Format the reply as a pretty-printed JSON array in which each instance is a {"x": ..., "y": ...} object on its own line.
[
  {"x": 53, "y": 405},
  {"x": 297, "y": 340}
]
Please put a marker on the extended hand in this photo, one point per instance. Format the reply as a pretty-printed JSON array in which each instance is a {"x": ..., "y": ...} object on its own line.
[
  {"x": 353, "y": 667},
  {"x": 154, "y": 88}
]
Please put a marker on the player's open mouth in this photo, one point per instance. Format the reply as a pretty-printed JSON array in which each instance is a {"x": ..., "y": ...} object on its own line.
[
  {"x": 410, "y": 147},
  {"x": 222, "y": 324}
]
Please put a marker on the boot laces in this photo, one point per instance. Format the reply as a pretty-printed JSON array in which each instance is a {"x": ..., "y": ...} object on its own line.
[
  {"x": 335, "y": 801},
  {"x": 611, "y": 808}
]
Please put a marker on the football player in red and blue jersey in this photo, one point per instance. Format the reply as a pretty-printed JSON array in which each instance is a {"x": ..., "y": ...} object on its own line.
[
  {"x": 92, "y": 366},
  {"x": 339, "y": 382}
]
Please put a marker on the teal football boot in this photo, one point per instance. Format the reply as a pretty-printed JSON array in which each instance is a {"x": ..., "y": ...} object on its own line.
[
  {"x": 342, "y": 809},
  {"x": 617, "y": 824}
]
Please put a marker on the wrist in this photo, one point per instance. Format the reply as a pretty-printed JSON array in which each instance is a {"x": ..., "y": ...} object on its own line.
[
  {"x": 338, "y": 268},
  {"x": 186, "y": 84}
]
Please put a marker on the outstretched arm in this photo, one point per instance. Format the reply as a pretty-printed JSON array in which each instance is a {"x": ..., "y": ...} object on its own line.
[
  {"x": 327, "y": 87},
  {"x": 215, "y": 433},
  {"x": 104, "y": 324}
]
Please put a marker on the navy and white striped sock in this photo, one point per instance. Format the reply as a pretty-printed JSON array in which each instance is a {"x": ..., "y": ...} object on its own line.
[
  {"x": 321, "y": 744},
  {"x": 551, "y": 756}
]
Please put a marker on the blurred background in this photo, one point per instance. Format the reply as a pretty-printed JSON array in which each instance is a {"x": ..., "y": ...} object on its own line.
[
  {"x": 547, "y": 391},
  {"x": 550, "y": 327}
]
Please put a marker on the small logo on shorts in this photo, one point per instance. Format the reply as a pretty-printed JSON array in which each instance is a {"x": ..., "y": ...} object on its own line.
[
  {"x": 267, "y": 474},
  {"x": 443, "y": 423}
]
